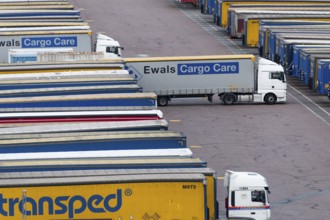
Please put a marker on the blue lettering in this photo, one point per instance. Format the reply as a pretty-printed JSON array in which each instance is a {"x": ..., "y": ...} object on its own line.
[
  {"x": 61, "y": 205},
  {"x": 95, "y": 199},
  {"x": 24, "y": 203},
  {"x": 72, "y": 209},
  {"x": 113, "y": 196},
  {"x": 12, "y": 203},
  {"x": 2, "y": 202},
  {"x": 41, "y": 205},
  {"x": 58, "y": 202}
]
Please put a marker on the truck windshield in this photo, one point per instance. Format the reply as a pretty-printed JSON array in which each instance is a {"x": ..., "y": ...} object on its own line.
[
  {"x": 112, "y": 50},
  {"x": 258, "y": 196},
  {"x": 278, "y": 75}
]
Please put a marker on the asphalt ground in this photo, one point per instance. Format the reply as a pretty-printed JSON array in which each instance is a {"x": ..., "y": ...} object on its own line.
[{"x": 287, "y": 143}]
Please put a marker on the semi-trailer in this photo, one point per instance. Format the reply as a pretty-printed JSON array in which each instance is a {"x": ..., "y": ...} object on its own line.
[
  {"x": 73, "y": 155},
  {"x": 90, "y": 102},
  {"x": 246, "y": 190},
  {"x": 225, "y": 4},
  {"x": 236, "y": 17},
  {"x": 284, "y": 47},
  {"x": 231, "y": 77},
  {"x": 11, "y": 119},
  {"x": 251, "y": 24},
  {"x": 85, "y": 164},
  {"x": 91, "y": 141},
  {"x": 268, "y": 34},
  {"x": 323, "y": 76},
  {"x": 102, "y": 125},
  {"x": 296, "y": 56},
  {"x": 210, "y": 176},
  {"x": 150, "y": 196},
  {"x": 79, "y": 40},
  {"x": 61, "y": 67},
  {"x": 304, "y": 66}
]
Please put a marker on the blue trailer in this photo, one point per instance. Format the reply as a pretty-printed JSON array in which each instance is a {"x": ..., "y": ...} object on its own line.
[
  {"x": 323, "y": 77},
  {"x": 304, "y": 67},
  {"x": 17, "y": 14},
  {"x": 313, "y": 74},
  {"x": 90, "y": 102},
  {"x": 76, "y": 90},
  {"x": 296, "y": 56},
  {"x": 266, "y": 25},
  {"x": 150, "y": 125},
  {"x": 272, "y": 34},
  {"x": 91, "y": 141},
  {"x": 284, "y": 48}
]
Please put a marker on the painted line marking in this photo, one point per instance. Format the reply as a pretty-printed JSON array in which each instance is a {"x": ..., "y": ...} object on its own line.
[
  {"x": 220, "y": 177},
  {"x": 308, "y": 108},
  {"x": 195, "y": 146},
  {"x": 175, "y": 120}
]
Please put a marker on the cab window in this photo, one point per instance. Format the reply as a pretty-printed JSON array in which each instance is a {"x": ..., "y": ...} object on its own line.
[
  {"x": 112, "y": 50},
  {"x": 258, "y": 196},
  {"x": 277, "y": 75}
]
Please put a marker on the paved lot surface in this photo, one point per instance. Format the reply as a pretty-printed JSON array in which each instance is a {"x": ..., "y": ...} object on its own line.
[{"x": 287, "y": 143}]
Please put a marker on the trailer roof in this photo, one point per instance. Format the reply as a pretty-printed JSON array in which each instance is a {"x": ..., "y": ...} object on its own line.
[
  {"x": 6, "y": 140},
  {"x": 84, "y": 127},
  {"x": 103, "y": 172},
  {"x": 174, "y": 152},
  {"x": 99, "y": 163},
  {"x": 186, "y": 58},
  {"x": 181, "y": 177}
]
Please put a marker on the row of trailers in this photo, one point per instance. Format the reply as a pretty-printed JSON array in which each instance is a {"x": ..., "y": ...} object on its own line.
[
  {"x": 295, "y": 34},
  {"x": 81, "y": 140}
]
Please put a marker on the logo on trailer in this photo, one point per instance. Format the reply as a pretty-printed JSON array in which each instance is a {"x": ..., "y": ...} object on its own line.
[
  {"x": 45, "y": 42},
  {"x": 60, "y": 205},
  {"x": 208, "y": 68},
  {"x": 134, "y": 72}
]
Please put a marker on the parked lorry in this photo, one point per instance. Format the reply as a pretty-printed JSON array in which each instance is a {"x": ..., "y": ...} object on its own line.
[
  {"x": 45, "y": 194},
  {"x": 247, "y": 196},
  {"x": 233, "y": 78},
  {"x": 78, "y": 40},
  {"x": 142, "y": 196}
]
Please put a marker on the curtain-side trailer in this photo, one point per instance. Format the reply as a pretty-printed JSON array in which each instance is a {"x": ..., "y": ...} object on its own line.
[{"x": 233, "y": 78}]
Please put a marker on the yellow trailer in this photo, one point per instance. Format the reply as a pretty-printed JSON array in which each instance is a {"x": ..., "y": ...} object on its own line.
[
  {"x": 251, "y": 24},
  {"x": 225, "y": 4},
  {"x": 149, "y": 196}
]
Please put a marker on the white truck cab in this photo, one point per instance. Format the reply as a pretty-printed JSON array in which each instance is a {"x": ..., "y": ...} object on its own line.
[
  {"x": 110, "y": 47},
  {"x": 271, "y": 81},
  {"x": 247, "y": 196}
]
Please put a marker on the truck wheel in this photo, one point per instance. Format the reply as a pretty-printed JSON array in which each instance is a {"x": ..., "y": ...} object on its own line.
[
  {"x": 228, "y": 99},
  {"x": 270, "y": 99},
  {"x": 162, "y": 101}
]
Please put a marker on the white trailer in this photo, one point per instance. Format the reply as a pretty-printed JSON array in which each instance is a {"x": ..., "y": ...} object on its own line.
[
  {"x": 78, "y": 40},
  {"x": 233, "y": 78}
]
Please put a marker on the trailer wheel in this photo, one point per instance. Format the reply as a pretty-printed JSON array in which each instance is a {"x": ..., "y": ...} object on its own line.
[
  {"x": 162, "y": 101},
  {"x": 270, "y": 99},
  {"x": 228, "y": 99}
]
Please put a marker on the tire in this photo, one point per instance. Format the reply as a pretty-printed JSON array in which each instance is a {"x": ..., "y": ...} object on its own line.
[
  {"x": 270, "y": 99},
  {"x": 228, "y": 99},
  {"x": 162, "y": 101}
]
